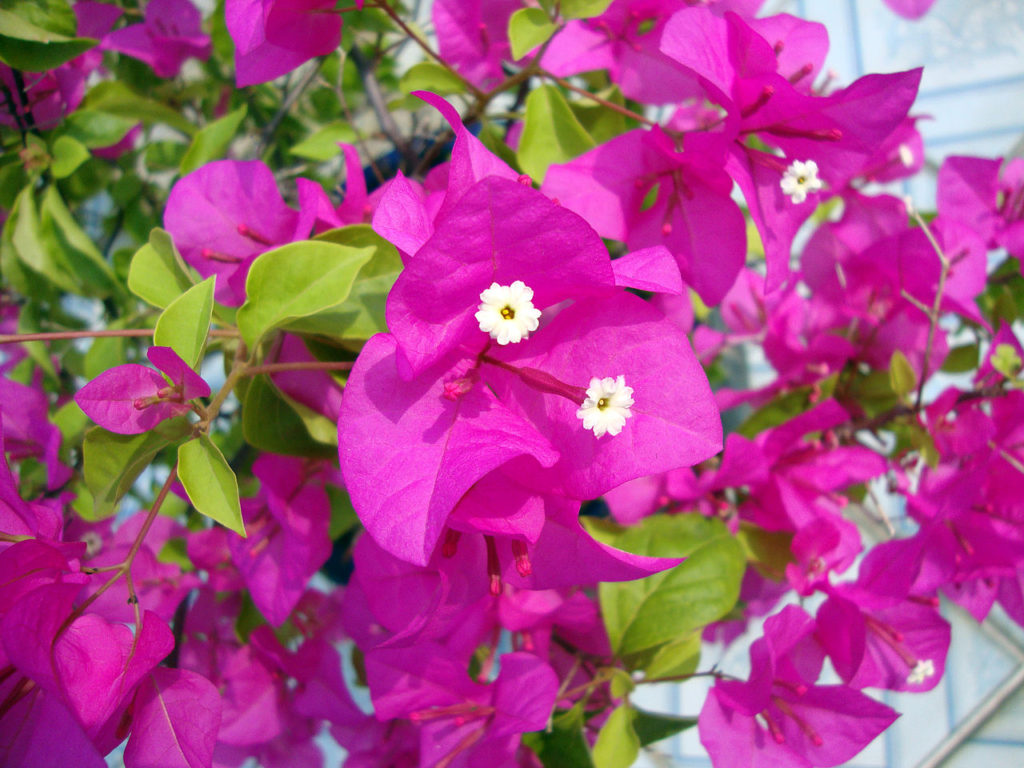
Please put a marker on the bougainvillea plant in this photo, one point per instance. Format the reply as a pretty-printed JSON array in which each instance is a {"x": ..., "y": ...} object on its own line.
[{"x": 364, "y": 379}]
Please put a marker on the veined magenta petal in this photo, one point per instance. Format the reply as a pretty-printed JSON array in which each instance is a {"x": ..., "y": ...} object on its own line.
[
  {"x": 110, "y": 399},
  {"x": 408, "y": 454},
  {"x": 179, "y": 372},
  {"x": 177, "y": 715}
]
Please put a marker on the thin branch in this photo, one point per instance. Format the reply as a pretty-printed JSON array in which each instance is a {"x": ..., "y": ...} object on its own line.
[
  {"x": 15, "y": 338},
  {"x": 315, "y": 365}
]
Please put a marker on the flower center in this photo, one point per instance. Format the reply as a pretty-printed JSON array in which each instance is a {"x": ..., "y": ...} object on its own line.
[{"x": 508, "y": 313}]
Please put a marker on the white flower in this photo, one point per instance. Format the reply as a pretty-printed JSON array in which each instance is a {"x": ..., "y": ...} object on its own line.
[
  {"x": 607, "y": 405},
  {"x": 507, "y": 312},
  {"x": 921, "y": 672},
  {"x": 800, "y": 179}
]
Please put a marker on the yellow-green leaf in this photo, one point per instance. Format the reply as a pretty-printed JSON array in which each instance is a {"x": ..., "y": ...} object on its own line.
[
  {"x": 551, "y": 133},
  {"x": 296, "y": 281},
  {"x": 528, "y": 28},
  {"x": 185, "y": 324},
  {"x": 431, "y": 76},
  {"x": 901, "y": 374},
  {"x": 210, "y": 483}
]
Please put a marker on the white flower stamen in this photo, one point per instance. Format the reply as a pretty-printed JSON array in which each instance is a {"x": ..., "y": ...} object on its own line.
[
  {"x": 800, "y": 179},
  {"x": 924, "y": 669},
  {"x": 507, "y": 313},
  {"x": 607, "y": 405}
]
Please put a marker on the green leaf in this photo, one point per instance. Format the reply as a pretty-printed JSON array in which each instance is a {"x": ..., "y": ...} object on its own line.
[
  {"x": 551, "y": 133},
  {"x": 49, "y": 16},
  {"x": 361, "y": 315},
  {"x": 617, "y": 744},
  {"x": 29, "y": 43},
  {"x": 603, "y": 124},
  {"x": 158, "y": 274},
  {"x": 651, "y": 727},
  {"x": 343, "y": 515},
  {"x": 269, "y": 423},
  {"x": 642, "y": 614},
  {"x": 210, "y": 483},
  {"x": 90, "y": 271},
  {"x": 323, "y": 145},
  {"x": 528, "y": 28},
  {"x": 115, "y": 98},
  {"x": 431, "y": 76},
  {"x": 562, "y": 745},
  {"x": 68, "y": 154},
  {"x": 1006, "y": 360},
  {"x": 961, "y": 359},
  {"x": 185, "y": 324},
  {"x": 113, "y": 462},
  {"x": 23, "y": 232},
  {"x": 584, "y": 9},
  {"x": 902, "y": 378},
  {"x": 295, "y": 281},
  {"x": 769, "y": 551},
  {"x": 212, "y": 141},
  {"x": 678, "y": 657},
  {"x": 94, "y": 128},
  {"x": 621, "y": 683}
]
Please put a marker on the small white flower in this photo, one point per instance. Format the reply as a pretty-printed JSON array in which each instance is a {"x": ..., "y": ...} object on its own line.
[
  {"x": 800, "y": 179},
  {"x": 607, "y": 405},
  {"x": 507, "y": 312},
  {"x": 921, "y": 672}
]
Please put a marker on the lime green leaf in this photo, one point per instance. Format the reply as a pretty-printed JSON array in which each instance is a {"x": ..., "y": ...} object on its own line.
[
  {"x": 646, "y": 613},
  {"x": 431, "y": 76},
  {"x": 295, "y": 281},
  {"x": 158, "y": 274},
  {"x": 29, "y": 321},
  {"x": 46, "y": 17},
  {"x": 22, "y": 231},
  {"x": 562, "y": 745},
  {"x": 269, "y": 422},
  {"x": 678, "y": 657},
  {"x": 113, "y": 462},
  {"x": 1006, "y": 360},
  {"x": 584, "y": 9},
  {"x": 528, "y": 28},
  {"x": 185, "y": 324},
  {"x": 651, "y": 727},
  {"x": 92, "y": 274},
  {"x": 362, "y": 314},
  {"x": 104, "y": 353},
  {"x": 71, "y": 421},
  {"x": 211, "y": 141},
  {"x": 323, "y": 145},
  {"x": 901, "y": 375},
  {"x": 621, "y": 683},
  {"x": 551, "y": 133},
  {"x": 617, "y": 744},
  {"x": 94, "y": 128},
  {"x": 68, "y": 154},
  {"x": 210, "y": 483},
  {"x": 115, "y": 98},
  {"x": 603, "y": 124}
]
